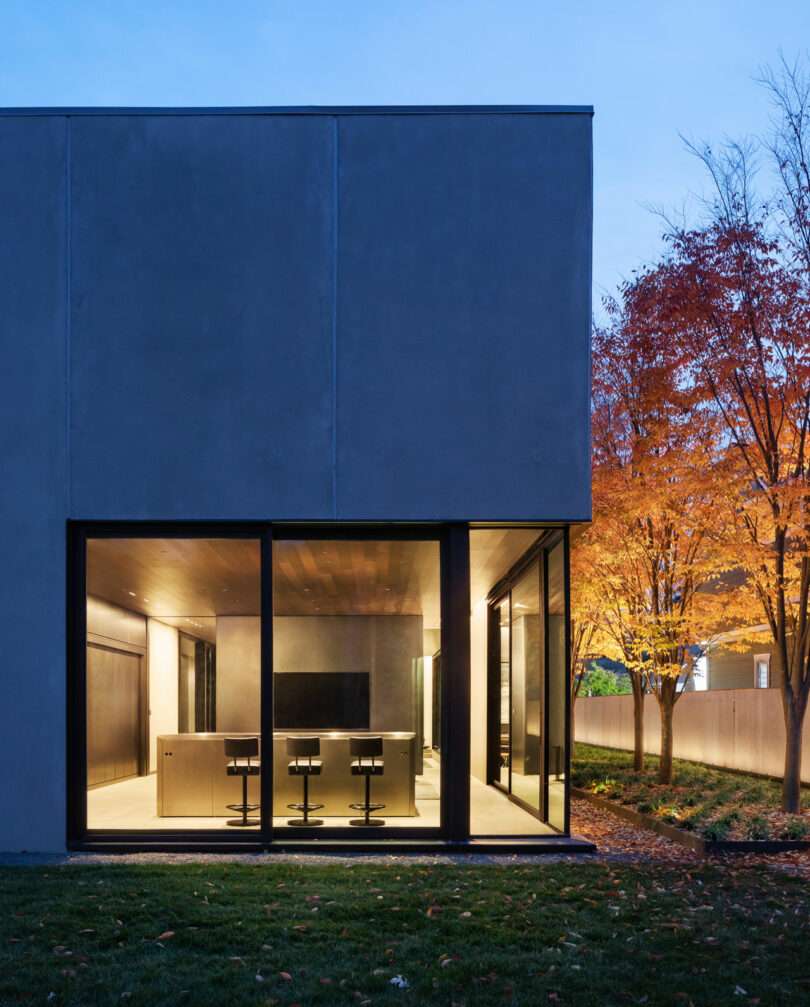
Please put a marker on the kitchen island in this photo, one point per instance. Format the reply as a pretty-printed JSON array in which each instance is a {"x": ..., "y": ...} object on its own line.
[{"x": 192, "y": 780}]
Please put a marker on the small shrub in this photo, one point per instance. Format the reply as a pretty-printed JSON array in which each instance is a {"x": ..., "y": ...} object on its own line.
[
  {"x": 796, "y": 828},
  {"x": 718, "y": 829},
  {"x": 670, "y": 813},
  {"x": 604, "y": 787},
  {"x": 758, "y": 828},
  {"x": 645, "y": 807}
]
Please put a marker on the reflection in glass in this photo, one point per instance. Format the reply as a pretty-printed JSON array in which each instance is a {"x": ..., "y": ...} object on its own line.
[
  {"x": 556, "y": 687},
  {"x": 506, "y": 703},
  {"x": 198, "y": 695},
  {"x": 526, "y": 679},
  {"x": 355, "y": 628}
]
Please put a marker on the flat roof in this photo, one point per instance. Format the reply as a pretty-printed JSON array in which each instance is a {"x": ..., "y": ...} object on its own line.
[{"x": 312, "y": 110}]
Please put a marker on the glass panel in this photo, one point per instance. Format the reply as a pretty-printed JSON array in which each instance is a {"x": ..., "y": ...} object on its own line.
[
  {"x": 526, "y": 706},
  {"x": 503, "y": 628},
  {"x": 356, "y": 626},
  {"x": 177, "y": 622},
  {"x": 557, "y": 687}
]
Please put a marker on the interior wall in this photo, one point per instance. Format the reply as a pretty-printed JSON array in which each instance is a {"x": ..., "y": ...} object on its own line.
[
  {"x": 478, "y": 692},
  {"x": 115, "y": 623},
  {"x": 238, "y": 673},
  {"x": 163, "y": 661},
  {"x": 383, "y": 645},
  {"x": 431, "y": 641},
  {"x": 427, "y": 702}
]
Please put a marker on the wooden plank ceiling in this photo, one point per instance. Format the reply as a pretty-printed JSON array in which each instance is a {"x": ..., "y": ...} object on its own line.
[{"x": 188, "y": 580}]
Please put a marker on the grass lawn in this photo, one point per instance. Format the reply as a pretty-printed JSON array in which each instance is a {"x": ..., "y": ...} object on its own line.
[
  {"x": 578, "y": 933},
  {"x": 710, "y": 802}
]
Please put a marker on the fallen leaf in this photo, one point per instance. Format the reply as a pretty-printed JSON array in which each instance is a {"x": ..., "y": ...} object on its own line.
[
  {"x": 166, "y": 936},
  {"x": 285, "y": 976}
]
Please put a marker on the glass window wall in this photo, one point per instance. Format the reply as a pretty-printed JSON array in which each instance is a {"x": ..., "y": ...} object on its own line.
[
  {"x": 356, "y": 643},
  {"x": 173, "y": 668}
]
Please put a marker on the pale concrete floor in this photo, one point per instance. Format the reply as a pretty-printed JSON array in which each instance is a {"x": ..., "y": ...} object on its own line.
[{"x": 130, "y": 805}]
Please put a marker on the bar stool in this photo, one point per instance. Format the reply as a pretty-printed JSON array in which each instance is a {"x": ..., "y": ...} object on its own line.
[
  {"x": 367, "y": 764},
  {"x": 242, "y": 751},
  {"x": 303, "y": 749}
]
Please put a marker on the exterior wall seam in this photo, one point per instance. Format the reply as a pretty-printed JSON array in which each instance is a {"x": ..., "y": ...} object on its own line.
[
  {"x": 335, "y": 247},
  {"x": 68, "y": 300}
]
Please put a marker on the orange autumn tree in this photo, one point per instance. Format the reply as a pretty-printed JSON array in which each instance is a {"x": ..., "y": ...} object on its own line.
[
  {"x": 587, "y": 640},
  {"x": 660, "y": 554},
  {"x": 735, "y": 302}
]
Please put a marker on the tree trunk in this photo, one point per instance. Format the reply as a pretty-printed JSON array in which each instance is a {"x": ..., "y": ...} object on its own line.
[
  {"x": 791, "y": 784},
  {"x": 795, "y": 692},
  {"x": 665, "y": 765},
  {"x": 638, "y": 723},
  {"x": 573, "y": 737}
]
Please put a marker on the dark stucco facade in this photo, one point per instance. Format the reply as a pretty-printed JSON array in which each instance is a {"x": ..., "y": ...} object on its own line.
[{"x": 348, "y": 315}]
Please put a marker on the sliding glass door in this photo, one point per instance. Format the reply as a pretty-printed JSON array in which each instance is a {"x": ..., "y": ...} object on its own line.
[{"x": 528, "y": 697}]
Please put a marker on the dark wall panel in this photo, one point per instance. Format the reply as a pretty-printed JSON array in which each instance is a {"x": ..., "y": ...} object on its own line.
[
  {"x": 463, "y": 316},
  {"x": 201, "y": 367},
  {"x": 33, "y": 502}
]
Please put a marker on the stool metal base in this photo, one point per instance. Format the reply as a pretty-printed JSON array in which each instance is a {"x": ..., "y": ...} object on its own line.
[
  {"x": 306, "y": 820},
  {"x": 367, "y": 808},
  {"x": 243, "y": 809},
  {"x": 305, "y": 807}
]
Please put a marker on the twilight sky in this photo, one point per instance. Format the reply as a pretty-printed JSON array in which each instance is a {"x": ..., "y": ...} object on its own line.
[{"x": 650, "y": 68}]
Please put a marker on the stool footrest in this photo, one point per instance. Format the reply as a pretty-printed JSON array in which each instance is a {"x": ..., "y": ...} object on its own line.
[
  {"x": 243, "y": 807},
  {"x": 369, "y": 807},
  {"x": 305, "y": 808}
]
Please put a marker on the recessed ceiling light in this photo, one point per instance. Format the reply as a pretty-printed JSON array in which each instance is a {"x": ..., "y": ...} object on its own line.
[{"x": 132, "y": 593}]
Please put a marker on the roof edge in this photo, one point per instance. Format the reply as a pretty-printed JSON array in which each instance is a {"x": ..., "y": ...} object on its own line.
[{"x": 331, "y": 110}]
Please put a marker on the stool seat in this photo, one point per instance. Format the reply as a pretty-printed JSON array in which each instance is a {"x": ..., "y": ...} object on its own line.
[
  {"x": 363, "y": 768},
  {"x": 313, "y": 768},
  {"x": 243, "y": 767}
]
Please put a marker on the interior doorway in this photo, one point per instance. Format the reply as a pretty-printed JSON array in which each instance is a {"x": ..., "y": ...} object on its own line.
[{"x": 115, "y": 703}]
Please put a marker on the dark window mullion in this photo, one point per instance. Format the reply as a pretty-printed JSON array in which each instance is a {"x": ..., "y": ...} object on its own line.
[{"x": 266, "y": 678}]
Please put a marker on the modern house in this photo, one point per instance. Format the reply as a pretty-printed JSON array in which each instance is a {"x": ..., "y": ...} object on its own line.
[{"x": 295, "y": 413}]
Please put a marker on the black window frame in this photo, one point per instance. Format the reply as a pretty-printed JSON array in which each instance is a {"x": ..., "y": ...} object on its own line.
[
  {"x": 453, "y": 539},
  {"x": 536, "y": 554}
]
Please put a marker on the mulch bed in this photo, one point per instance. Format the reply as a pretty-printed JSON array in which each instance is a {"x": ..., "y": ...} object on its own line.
[{"x": 617, "y": 839}]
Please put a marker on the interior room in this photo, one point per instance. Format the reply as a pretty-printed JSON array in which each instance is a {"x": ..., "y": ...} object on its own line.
[{"x": 174, "y": 670}]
